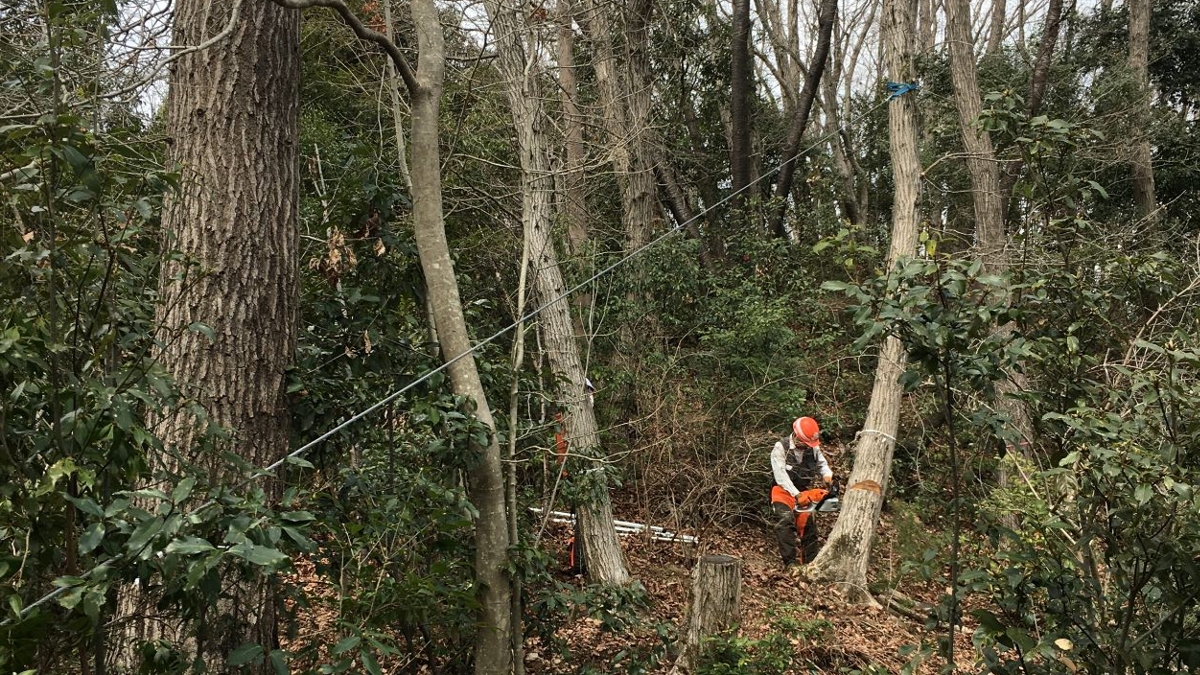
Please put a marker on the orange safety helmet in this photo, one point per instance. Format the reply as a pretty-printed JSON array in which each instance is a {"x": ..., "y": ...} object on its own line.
[{"x": 807, "y": 431}]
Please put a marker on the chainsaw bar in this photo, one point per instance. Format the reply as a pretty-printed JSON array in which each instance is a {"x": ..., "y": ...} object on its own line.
[{"x": 827, "y": 505}]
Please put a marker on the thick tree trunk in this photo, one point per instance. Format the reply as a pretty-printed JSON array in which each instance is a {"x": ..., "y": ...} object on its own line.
[
  {"x": 847, "y": 550},
  {"x": 518, "y": 63},
  {"x": 715, "y": 607},
  {"x": 741, "y": 89},
  {"x": 826, "y": 14},
  {"x": 574, "y": 197},
  {"x": 1139, "y": 59},
  {"x": 486, "y": 481},
  {"x": 232, "y": 116}
]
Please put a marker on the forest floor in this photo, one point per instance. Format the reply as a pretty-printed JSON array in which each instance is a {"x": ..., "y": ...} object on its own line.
[
  {"x": 834, "y": 636},
  {"x": 827, "y": 633}
]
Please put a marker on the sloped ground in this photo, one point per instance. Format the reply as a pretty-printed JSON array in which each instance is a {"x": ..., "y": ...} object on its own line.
[{"x": 833, "y": 636}]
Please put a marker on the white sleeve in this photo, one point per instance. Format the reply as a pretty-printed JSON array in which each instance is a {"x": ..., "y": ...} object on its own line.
[
  {"x": 823, "y": 464},
  {"x": 779, "y": 469}
]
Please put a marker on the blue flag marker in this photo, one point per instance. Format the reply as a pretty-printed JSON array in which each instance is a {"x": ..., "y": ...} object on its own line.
[{"x": 899, "y": 89}]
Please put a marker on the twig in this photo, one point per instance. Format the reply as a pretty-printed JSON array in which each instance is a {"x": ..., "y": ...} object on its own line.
[
  {"x": 233, "y": 19},
  {"x": 364, "y": 33}
]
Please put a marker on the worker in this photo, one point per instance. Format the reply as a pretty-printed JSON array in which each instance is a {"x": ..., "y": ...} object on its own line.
[{"x": 796, "y": 463}]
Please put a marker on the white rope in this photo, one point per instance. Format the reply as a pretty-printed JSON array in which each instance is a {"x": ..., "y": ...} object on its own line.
[{"x": 877, "y": 433}]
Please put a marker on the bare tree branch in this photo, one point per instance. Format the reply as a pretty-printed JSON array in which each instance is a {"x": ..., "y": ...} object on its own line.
[{"x": 364, "y": 33}]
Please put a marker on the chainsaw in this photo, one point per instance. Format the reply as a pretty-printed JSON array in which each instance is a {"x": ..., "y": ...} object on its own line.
[{"x": 822, "y": 501}]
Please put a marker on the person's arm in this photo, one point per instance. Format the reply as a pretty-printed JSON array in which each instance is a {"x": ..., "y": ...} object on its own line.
[
  {"x": 823, "y": 465},
  {"x": 779, "y": 469}
]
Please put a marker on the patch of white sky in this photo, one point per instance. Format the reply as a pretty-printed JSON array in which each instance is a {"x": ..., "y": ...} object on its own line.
[{"x": 140, "y": 44}]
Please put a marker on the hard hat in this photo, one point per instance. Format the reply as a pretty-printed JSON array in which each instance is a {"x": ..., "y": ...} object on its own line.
[{"x": 807, "y": 431}]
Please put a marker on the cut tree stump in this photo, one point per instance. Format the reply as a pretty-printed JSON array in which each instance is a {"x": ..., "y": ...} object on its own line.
[{"x": 715, "y": 607}]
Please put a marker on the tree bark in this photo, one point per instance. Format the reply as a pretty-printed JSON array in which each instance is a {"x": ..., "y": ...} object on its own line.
[
  {"x": 996, "y": 28},
  {"x": 986, "y": 193},
  {"x": 928, "y": 24},
  {"x": 574, "y": 197},
  {"x": 791, "y": 149},
  {"x": 714, "y": 609},
  {"x": 625, "y": 95},
  {"x": 1041, "y": 67},
  {"x": 232, "y": 116},
  {"x": 680, "y": 209},
  {"x": 847, "y": 550},
  {"x": 1139, "y": 60},
  {"x": 517, "y": 52},
  {"x": 981, "y": 158},
  {"x": 741, "y": 89},
  {"x": 641, "y": 209},
  {"x": 486, "y": 480}
]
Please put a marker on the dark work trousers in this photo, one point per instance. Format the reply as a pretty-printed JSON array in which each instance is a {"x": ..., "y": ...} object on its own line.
[{"x": 785, "y": 533}]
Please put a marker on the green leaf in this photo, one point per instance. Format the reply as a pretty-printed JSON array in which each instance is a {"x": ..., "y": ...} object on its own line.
[
  {"x": 301, "y": 462},
  {"x": 91, "y": 538},
  {"x": 297, "y": 516},
  {"x": 346, "y": 644},
  {"x": 203, "y": 329},
  {"x": 279, "y": 662},
  {"x": 259, "y": 555},
  {"x": 141, "y": 537},
  {"x": 87, "y": 506},
  {"x": 245, "y": 654},
  {"x": 75, "y": 158},
  {"x": 1142, "y": 494},
  {"x": 369, "y": 662},
  {"x": 190, "y": 546},
  {"x": 835, "y": 286},
  {"x": 183, "y": 490}
]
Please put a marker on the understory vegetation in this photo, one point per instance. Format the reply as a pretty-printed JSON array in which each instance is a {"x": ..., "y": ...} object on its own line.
[{"x": 1073, "y": 546}]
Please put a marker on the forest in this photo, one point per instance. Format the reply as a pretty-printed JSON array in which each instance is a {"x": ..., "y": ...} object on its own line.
[{"x": 506, "y": 338}]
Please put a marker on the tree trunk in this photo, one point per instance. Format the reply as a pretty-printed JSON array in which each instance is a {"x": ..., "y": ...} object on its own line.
[
  {"x": 486, "y": 479},
  {"x": 996, "y": 29},
  {"x": 640, "y": 203},
  {"x": 518, "y": 63},
  {"x": 986, "y": 193},
  {"x": 847, "y": 550},
  {"x": 928, "y": 25},
  {"x": 625, "y": 96},
  {"x": 741, "y": 89},
  {"x": 981, "y": 159},
  {"x": 714, "y": 609},
  {"x": 232, "y": 116},
  {"x": 853, "y": 200},
  {"x": 574, "y": 197},
  {"x": 1139, "y": 59},
  {"x": 791, "y": 149},
  {"x": 681, "y": 210},
  {"x": 1041, "y": 67}
]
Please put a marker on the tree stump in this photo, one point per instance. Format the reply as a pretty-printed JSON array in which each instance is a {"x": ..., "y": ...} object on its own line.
[{"x": 714, "y": 609}]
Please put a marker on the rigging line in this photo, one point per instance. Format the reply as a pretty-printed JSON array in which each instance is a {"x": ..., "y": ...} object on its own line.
[{"x": 396, "y": 394}]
